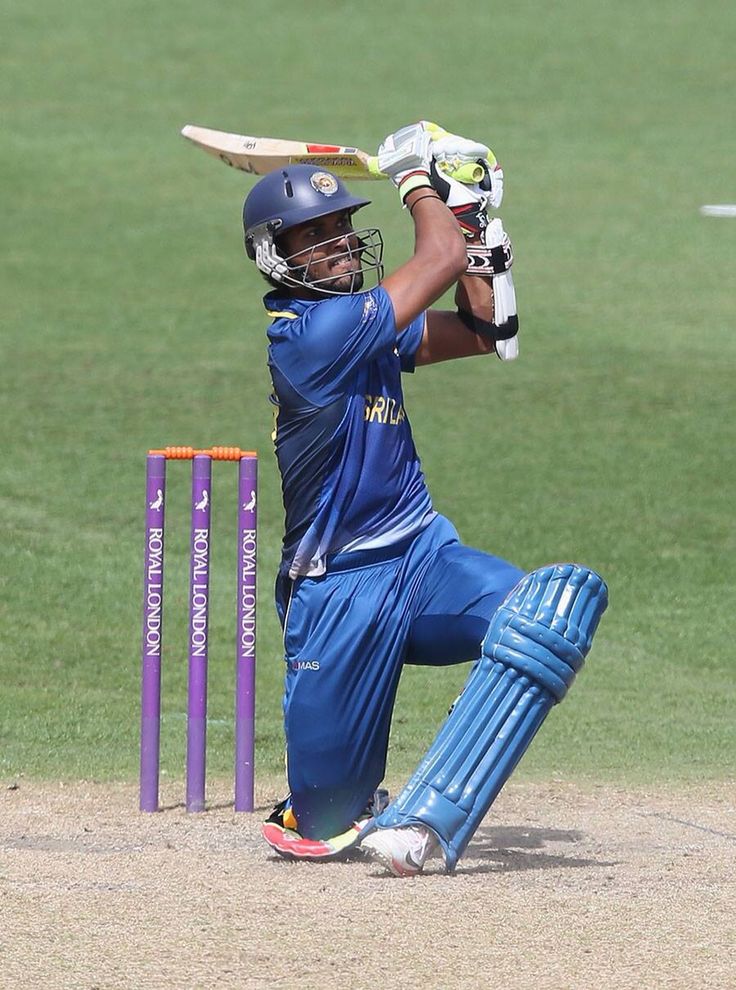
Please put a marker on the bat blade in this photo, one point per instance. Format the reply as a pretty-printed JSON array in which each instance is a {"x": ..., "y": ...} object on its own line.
[{"x": 259, "y": 156}]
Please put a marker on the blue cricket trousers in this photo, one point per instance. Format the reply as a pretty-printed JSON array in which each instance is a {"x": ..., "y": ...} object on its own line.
[{"x": 347, "y": 635}]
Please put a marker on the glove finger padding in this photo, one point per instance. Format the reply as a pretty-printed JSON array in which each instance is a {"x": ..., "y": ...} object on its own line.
[
  {"x": 447, "y": 147},
  {"x": 404, "y": 156},
  {"x": 495, "y": 193},
  {"x": 460, "y": 157},
  {"x": 453, "y": 192}
]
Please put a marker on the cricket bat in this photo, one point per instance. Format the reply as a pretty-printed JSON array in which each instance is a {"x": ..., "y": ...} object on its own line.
[{"x": 259, "y": 156}]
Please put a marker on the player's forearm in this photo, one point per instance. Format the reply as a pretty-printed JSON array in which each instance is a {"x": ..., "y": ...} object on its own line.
[
  {"x": 438, "y": 261},
  {"x": 438, "y": 241},
  {"x": 474, "y": 294}
]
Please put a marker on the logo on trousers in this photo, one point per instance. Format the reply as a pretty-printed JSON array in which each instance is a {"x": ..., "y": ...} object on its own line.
[{"x": 304, "y": 664}]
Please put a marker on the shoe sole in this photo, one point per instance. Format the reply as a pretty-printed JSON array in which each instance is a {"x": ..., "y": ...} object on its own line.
[
  {"x": 394, "y": 866},
  {"x": 291, "y": 845}
]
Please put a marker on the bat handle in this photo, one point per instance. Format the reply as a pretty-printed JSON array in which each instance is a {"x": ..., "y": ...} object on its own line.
[
  {"x": 373, "y": 168},
  {"x": 468, "y": 173}
]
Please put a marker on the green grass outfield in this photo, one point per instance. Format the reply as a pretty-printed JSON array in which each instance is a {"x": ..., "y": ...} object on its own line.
[{"x": 131, "y": 319}]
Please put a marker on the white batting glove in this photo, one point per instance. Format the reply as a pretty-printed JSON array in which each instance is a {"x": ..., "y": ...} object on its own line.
[
  {"x": 456, "y": 156},
  {"x": 404, "y": 157},
  {"x": 453, "y": 149}
]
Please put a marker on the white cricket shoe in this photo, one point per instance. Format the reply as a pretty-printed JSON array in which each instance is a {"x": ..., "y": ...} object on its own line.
[{"x": 403, "y": 851}]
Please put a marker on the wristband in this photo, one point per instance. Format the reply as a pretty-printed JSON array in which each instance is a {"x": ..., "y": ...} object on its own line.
[
  {"x": 427, "y": 195},
  {"x": 412, "y": 181}
]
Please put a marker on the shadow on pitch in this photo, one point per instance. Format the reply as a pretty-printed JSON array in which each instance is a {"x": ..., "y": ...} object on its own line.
[
  {"x": 260, "y": 809},
  {"x": 508, "y": 849}
]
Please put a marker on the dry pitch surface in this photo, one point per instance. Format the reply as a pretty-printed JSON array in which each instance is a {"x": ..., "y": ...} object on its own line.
[{"x": 563, "y": 887}]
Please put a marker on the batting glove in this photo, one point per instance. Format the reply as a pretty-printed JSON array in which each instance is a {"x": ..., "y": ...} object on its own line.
[
  {"x": 404, "y": 157},
  {"x": 457, "y": 156},
  {"x": 467, "y": 202}
]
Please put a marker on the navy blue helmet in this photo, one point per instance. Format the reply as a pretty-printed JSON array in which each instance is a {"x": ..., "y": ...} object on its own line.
[{"x": 294, "y": 195}]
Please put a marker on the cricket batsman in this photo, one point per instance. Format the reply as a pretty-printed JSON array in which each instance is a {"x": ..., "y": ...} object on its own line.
[{"x": 371, "y": 576}]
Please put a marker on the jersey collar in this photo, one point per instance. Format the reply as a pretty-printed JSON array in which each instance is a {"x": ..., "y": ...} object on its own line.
[{"x": 281, "y": 307}]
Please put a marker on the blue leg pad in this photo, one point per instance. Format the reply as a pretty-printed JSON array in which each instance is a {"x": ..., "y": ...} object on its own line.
[{"x": 535, "y": 644}]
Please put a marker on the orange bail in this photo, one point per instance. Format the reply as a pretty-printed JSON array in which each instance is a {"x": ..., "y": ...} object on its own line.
[{"x": 216, "y": 453}]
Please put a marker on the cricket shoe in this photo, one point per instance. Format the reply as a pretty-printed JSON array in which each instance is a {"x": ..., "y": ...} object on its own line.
[
  {"x": 280, "y": 832},
  {"x": 403, "y": 851}
]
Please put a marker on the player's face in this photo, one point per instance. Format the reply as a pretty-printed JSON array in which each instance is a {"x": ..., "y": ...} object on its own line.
[{"x": 328, "y": 250}]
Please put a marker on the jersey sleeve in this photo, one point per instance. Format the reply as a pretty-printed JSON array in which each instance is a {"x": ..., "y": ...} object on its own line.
[
  {"x": 408, "y": 341},
  {"x": 333, "y": 339}
]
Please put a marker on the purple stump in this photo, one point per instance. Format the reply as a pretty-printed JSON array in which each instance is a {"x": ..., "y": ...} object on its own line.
[
  {"x": 245, "y": 653},
  {"x": 199, "y": 584},
  {"x": 153, "y": 601}
]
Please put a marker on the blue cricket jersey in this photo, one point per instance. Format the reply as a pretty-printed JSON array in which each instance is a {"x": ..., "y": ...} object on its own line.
[{"x": 350, "y": 474}]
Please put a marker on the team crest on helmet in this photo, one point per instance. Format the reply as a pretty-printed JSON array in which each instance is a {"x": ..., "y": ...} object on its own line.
[{"x": 323, "y": 182}]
